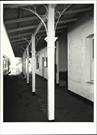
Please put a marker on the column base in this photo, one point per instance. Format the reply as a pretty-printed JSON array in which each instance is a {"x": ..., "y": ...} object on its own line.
[
  {"x": 34, "y": 93},
  {"x": 51, "y": 120}
]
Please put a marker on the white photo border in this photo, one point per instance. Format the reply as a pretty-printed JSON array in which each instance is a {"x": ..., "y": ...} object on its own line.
[{"x": 49, "y": 127}]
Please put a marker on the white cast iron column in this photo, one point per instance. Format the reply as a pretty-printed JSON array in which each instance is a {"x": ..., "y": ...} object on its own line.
[
  {"x": 24, "y": 64},
  {"x": 33, "y": 64},
  {"x": 51, "y": 58},
  {"x": 27, "y": 64}
]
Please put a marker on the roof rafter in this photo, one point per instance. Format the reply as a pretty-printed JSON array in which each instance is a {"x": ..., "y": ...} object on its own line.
[
  {"x": 21, "y": 35},
  {"x": 40, "y": 24},
  {"x": 78, "y": 10},
  {"x": 22, "y": 28},
  {"x": 17, "y": 40},
  {"x": 68, "y": 20},
  {"x": 22, "y": 42},
  {"x": 15, "y": 5},
  {"x": 22, "y": 19},
  {"x": 34, "y": 17}
]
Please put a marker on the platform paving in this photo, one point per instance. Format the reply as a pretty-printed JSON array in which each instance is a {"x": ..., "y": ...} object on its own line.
[{"x": 21, "y": 106}]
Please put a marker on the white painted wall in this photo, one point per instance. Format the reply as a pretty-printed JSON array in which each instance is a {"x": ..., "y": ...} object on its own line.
[
  {"x": 77, "y": 57},
  {"x": 61, "y": 57},
  {"x": 40, "y": 54}
]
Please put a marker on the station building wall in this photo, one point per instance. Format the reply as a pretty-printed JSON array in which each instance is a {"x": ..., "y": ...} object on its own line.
[
  {"x": 60, "y": 58},
  {"x": 41, "y": 69},
  {"x": 73, "y": 50},
  {"x": 79, "y": 57}
]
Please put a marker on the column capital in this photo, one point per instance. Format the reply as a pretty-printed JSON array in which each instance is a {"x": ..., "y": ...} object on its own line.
[
  {"x": 33, "y": 54},
  {"x": 51, "y": 38}
]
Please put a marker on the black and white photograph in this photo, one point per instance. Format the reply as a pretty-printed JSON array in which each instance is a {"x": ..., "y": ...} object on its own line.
[{"x": 48, "y": 55}]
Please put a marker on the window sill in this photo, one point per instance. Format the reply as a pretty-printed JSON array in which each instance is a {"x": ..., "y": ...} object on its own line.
[{"x": 91, "y": 82}]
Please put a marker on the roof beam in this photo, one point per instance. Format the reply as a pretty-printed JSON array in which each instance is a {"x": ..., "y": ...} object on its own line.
[
  {"x": 78, "y": 10},
  {"x": 68, "y": 20},
  {"x": 61, "y": 27},
  {"x": 20, "y": 35},
  {"x": 17, "y": 40},
  {"x": 22, "y": 19},
  {"x": 29, "y": 33},
  {"x": 22, "y": 28},
  {"x": 23, "y": 42},
  {"x": 34, "y": 17},
  {"x": 15, "y": 5}
]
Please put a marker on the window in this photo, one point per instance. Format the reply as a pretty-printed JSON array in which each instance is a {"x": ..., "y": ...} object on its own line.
[
  {"x": 37, "y": 62},
  {"x": 92, "y": 61},
  {"x": 89, "y": 58},
  {"x": 45, "y": 62}
]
